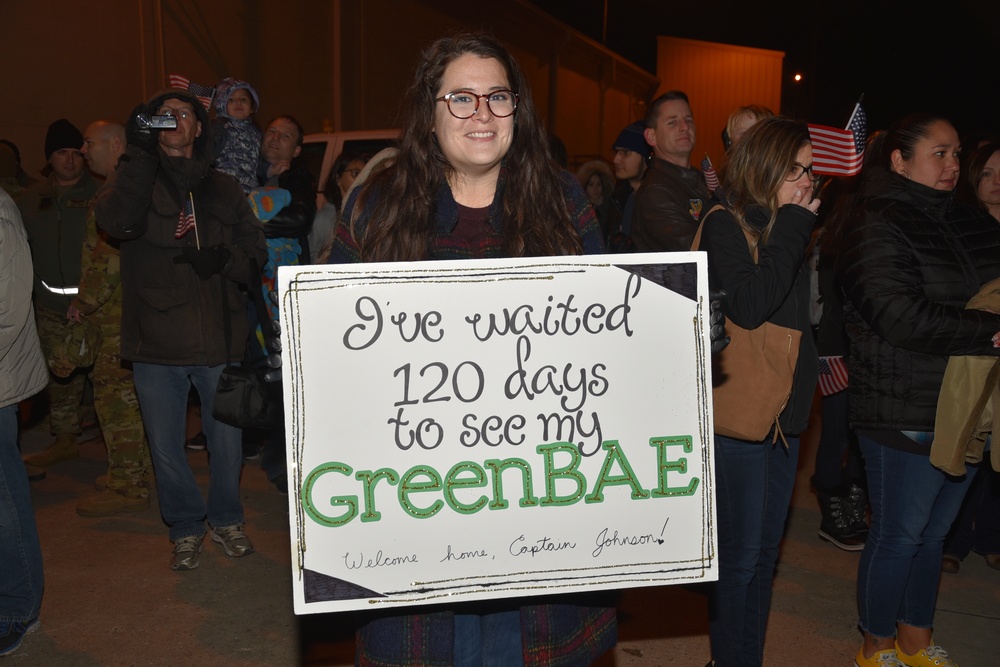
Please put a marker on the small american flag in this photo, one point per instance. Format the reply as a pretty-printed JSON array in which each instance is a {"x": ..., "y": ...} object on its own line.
[
  {"x": 186, "y": 222},
  {"x": 203, "y": 93},
  {"x": 832, "y": 375},
  {"x": 711, "y": 178},
  {"x": 840, "y": 152}
]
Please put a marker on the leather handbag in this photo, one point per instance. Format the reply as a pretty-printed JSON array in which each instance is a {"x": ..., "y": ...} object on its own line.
[
  {"x": 752, "y": 377},
  {"x": 244, "y": 396}
]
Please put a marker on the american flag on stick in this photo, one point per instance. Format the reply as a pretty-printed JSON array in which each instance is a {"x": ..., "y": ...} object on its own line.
[
  {"x": 840, "y": 152},
  {"x": 203, "y": 93},
  {"x": 711, "y": 178},
  {"x": 187, "y": 221},
  {"x": 832, "y": 375}
]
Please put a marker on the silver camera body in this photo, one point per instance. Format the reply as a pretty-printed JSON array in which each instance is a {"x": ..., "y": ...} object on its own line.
[{"x": 156, "y": 122}]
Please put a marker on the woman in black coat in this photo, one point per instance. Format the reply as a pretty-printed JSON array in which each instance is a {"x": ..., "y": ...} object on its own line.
[{"x": 911, "y": 259}]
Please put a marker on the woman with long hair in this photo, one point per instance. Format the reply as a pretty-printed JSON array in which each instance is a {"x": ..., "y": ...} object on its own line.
[
  {"x": 980, "y": 181},
  {"x": 473, "y": 178},
  {"x": 756, "y": 239},
  {"x": 483, "y": 152},
  {"x": 910, "y": 260}
]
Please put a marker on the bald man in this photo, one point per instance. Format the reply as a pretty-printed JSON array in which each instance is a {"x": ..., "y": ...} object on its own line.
[{"x": 99, "y": 305}]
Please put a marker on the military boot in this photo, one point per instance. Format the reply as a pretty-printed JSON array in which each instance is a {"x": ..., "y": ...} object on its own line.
[
  {"x": 62, "y": 449},
  {"x": 108, "y": 503}
]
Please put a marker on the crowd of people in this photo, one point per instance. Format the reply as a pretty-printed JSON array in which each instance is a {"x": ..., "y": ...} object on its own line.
[{"x": 143, "y": 241}]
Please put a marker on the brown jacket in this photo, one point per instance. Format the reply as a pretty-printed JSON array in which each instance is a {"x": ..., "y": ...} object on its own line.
[{"x": 970, "y": 396}]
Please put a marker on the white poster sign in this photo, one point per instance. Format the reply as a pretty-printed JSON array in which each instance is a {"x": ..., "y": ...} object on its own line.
[{"x": 496, "y": 428}]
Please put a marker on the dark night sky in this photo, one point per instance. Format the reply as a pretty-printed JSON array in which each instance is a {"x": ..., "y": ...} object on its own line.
[{"x": 900, "y": 55}]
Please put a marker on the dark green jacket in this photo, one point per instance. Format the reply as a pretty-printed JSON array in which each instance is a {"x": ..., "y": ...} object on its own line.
[{"x": 55, "y": 220}]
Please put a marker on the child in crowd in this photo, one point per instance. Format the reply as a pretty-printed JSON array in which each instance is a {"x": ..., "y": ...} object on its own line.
[{"x": 237, "y": 137}]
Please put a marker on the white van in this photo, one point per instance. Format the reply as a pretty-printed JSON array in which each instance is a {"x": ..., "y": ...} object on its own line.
[{"x": 320, "y": 150}]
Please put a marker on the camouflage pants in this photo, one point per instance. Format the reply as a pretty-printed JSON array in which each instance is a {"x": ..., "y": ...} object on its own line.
[
  {"x": 65, "y": 394},
  {"x": 117, "y": 410}
]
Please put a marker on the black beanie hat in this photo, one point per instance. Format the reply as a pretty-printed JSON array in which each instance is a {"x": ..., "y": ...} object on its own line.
[{"x": 62, "y": 134}]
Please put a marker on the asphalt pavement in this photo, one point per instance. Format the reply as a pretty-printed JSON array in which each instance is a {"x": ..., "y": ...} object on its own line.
[{"x": 110, "y": 598}]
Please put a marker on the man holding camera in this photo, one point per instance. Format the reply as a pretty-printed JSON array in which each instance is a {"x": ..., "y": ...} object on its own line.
[{"x": 187, "y": 234}]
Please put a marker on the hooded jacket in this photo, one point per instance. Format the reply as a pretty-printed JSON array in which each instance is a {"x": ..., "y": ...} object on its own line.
[
  {"x": 237, "y": 142},
  {"x": 911, "y": 258},
  {"x": 169, "y": 314}
]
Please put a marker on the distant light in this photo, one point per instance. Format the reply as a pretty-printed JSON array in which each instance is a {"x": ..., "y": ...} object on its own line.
[{"x": 797, "y": 78}]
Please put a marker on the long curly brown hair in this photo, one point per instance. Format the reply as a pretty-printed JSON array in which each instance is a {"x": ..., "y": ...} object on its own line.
[{"x": 399, "y": 201}]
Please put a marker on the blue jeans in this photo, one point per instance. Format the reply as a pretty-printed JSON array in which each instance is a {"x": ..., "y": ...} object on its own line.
[
  {"x": 163, "y": 395},
  {"x": 488, "y": 640},
  {"x": 753, "y": 490},
  {"x": 21, "y": 579},
  {"x": 913, "y": 506}
]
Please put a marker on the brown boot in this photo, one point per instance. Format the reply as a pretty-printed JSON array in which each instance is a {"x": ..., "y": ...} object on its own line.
[
  {"x": 35, "y": 474},
  {"x": 108, "y": 503},
  {"x": 63, "y": 449},
  {"x": 101, "y": 482}
]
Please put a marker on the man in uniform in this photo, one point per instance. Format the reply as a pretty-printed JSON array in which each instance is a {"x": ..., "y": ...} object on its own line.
[
  {"x": 99, "y": 303},
  {"x": 54, "y": 211}
]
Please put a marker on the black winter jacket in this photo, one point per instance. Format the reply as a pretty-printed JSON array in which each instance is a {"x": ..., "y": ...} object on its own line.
[
  {"x": 294, "y": 220},
  {"x": 775, "y": 289},
  {"x": 910, "y": 260},
  {"x": 170, "y": 315}
]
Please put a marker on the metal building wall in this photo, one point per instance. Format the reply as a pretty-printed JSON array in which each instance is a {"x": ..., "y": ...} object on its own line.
[
  {"x": 333, "y": 64},
  {"x": 718, "y": 78}
]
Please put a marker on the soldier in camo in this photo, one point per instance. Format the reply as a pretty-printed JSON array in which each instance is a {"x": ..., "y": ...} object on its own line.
[
  {"x": 54, "y": 211},
  {"x": 99, "y": 302}
]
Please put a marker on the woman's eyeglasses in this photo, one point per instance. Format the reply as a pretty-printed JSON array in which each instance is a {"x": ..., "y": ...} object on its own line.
[
  {"x": 465, "y": 103},
  {"x": 796, "y": 171}
]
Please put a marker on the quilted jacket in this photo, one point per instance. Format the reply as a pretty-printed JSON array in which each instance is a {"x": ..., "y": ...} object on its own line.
[{"x": 910, "y": 261}]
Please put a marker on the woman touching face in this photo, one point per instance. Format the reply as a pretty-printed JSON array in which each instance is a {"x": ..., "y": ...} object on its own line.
[
  {"x": 474, "y": 146},
  {"x": 798, "y": 185}
]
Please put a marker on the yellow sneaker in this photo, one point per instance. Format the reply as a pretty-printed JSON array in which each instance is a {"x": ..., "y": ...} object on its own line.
[
  {"x": 932, "y": 656},
  {"x": 886, "y": 658}
]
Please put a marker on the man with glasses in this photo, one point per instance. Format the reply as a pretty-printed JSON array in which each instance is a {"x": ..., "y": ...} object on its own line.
[
  {"x": 187, "y": 236},
  {"x": 669, "y": 203}
]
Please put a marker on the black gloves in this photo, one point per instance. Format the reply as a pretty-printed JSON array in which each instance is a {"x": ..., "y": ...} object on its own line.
[
  {"x": 206, "y": 261},
  {"x": 717, "y": 321},
  {"x": 141, "y": 137}
]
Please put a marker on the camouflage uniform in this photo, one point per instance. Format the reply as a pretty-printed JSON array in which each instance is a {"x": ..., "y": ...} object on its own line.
[
  {"x": 54, "y": 219},
  {"x": 100, "y": 301}
]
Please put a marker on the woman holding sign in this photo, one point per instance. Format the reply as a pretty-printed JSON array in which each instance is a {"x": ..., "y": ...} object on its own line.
[
  {"x": 756, "y": 240},
  {"x": 473, "y": 178}
]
